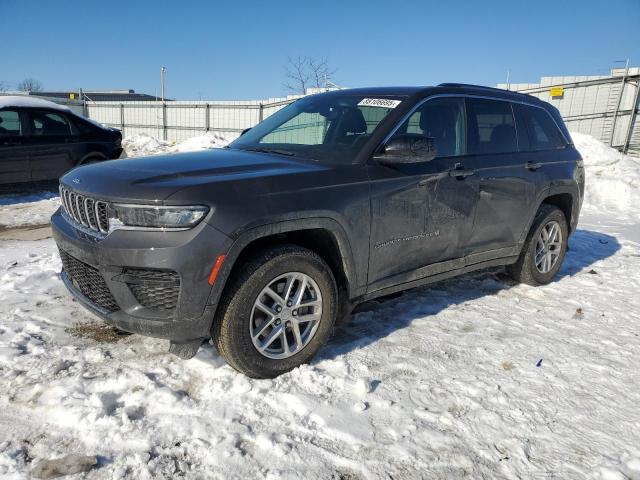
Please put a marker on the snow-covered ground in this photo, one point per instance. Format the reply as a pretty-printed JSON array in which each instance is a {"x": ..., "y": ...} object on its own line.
[{"x": 475, "y": 377}]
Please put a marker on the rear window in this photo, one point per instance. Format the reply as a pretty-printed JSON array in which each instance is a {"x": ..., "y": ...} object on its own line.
[
  {"x": 9, "y": 123},
  {"x": 491, "y": 127},
  {"x": 543, "y": 132}
]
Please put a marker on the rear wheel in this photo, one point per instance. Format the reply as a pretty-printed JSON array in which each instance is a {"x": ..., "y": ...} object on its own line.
[
  {"x": 278, "y": 311},
  {"x": 544, "y": 248}
]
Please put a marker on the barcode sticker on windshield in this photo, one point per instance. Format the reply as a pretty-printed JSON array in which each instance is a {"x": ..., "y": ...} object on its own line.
[{"x": 379, "y": 102}]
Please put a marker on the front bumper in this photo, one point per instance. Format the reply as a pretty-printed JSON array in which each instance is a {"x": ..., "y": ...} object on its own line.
[{"x": 114, "y": 261}]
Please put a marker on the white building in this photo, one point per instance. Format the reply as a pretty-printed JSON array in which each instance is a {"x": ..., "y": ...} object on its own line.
[{"x": 605, "y": 107}]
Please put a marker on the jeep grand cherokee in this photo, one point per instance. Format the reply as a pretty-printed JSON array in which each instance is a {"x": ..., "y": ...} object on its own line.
[{"x": 336, "y": 199}]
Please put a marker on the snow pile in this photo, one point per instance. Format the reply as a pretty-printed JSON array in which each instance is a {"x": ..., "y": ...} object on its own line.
[
  {"x": 143, "y": 144},
  {"x": 612, "y": 179}
]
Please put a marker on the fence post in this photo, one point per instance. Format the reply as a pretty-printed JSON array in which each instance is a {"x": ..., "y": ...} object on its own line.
[
  {"x": 164, "y": 121},
  {"x": 632, "y": 118},
  {"x": 122, "y": 118},
  {"x": 615, "y": 113},
  {"x": 261, "y": 113},
  {"x": 206, "y": 118}
]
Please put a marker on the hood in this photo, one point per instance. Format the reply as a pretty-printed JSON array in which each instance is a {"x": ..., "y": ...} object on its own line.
[{"x": 157, "y": 177}]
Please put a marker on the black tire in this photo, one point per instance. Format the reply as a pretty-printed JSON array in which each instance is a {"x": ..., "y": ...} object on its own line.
[
  {"x": 91, "y": 160},
  {"x": 525, "y": 270},
  {"x": 230, "y": 329}
]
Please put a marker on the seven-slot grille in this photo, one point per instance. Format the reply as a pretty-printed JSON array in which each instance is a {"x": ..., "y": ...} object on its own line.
[{"x": 86, "y": 211}]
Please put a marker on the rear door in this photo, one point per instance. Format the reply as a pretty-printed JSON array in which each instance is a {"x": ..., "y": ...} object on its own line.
[
  {"x": 14, "y": 161},
  {"x": 50, "y": 140},
  {"x": 507, "y": 188},
  {"x": 422, "y": 213},
  {"x": 544, "y": 139}
]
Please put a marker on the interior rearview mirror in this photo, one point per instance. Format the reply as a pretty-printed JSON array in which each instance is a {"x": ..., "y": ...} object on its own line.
[{"x": 408, "y": 148}]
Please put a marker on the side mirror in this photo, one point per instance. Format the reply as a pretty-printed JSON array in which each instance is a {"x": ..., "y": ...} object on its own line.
[
  {"x": 244, "y": 131},
  {"x": 408, "y": 148}
]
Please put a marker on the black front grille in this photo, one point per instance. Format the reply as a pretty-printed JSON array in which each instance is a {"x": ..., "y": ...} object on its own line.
[
  {"x": 157, "y": 289},
  {"x": 89, "y": 281}
]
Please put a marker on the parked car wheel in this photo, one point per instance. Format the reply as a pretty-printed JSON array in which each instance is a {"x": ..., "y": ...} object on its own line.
[
  {"x": 544, "y": 248},
  {"x": 277, "y": 312}
]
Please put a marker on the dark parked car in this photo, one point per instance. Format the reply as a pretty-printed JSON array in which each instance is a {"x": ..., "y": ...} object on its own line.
[
  {"x": 336, "y": 199},
  {"x": 40, "y": 140}
]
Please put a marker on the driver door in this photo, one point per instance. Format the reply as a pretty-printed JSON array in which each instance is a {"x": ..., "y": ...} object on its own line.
[{"x": 422, "y": 213}]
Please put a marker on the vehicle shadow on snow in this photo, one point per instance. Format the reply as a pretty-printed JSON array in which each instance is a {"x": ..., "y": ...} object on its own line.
[{"x": 376, "y": 319}]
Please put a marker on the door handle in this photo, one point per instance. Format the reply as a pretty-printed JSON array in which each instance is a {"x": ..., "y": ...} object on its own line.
[
  {"x": 11, "y": 144},
  {"x": 461, "y": 172},
  {"x": 532, "y": 166},
  {"x": 70, "y": 140}
]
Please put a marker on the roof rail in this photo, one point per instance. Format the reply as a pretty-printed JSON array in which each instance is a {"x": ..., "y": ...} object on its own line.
[
  {"x": 482, "y": 87},
  {"x": 469, "y": 85}
]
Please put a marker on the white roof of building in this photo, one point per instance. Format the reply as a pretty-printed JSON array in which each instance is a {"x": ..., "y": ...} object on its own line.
[{"x": 28, "y": 101}]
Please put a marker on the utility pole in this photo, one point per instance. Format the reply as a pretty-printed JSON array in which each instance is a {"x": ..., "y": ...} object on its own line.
[
  {"x": 508, "y": 75},
  {"x": 163, "y": 70}
]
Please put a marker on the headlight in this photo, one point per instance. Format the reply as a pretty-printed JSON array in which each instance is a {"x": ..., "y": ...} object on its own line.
[{"x": 155, "y": 217}]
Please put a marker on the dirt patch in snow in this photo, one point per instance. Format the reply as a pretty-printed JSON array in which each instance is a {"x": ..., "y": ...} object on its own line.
[{"x": 98, "y": 332}]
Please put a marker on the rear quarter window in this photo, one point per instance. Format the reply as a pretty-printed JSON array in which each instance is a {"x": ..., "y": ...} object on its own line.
[{"x": 543, "y": 132}]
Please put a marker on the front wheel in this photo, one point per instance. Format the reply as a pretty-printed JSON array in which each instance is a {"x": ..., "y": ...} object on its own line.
[
  {"x": 277, "y": 313},
  {"x": 544, "y": 248}
]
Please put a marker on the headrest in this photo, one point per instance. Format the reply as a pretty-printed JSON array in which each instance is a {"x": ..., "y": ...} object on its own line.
[
  {"x": 435, "y": 118},
  {"x": 504, "y": 135},
  {"x": 353, "y": 121}
]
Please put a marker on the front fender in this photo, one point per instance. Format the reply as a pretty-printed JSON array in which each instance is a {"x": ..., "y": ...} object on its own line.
[{"x": 247, "y": 236}]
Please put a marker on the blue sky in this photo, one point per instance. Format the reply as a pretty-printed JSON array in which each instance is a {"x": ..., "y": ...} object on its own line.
[{"x": 237, "y": 50}]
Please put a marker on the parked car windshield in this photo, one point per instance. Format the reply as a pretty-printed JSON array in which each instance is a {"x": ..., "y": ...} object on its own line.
[{"x": 326, "y": 128}]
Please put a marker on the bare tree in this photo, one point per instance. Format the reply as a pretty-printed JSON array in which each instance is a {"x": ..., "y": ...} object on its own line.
[
  {"x": 306, "y": 72},
  {"x": 30, "y": 85},
  {"x": 3, "y": 86}
]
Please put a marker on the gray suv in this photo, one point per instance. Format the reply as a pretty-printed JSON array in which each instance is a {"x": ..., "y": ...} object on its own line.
[{"x": 338, "y": 198}]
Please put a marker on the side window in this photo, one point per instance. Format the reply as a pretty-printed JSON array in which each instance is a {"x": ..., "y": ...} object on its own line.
[
  {"x": 46, "y": 124},
  {"x": 543, "y": 131},
  {"x": 491, "y": 127},
  {"x": 9, "y": 123},
  {"x": 442, "y": 119}
]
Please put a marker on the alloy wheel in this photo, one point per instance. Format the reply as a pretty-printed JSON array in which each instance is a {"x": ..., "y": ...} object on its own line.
[
  {"x": 548, "y": 247},
  {"x": 285, "y": 315}
]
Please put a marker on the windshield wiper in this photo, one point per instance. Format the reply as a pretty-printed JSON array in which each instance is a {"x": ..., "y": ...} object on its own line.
[{"x": 277, "y": 151}]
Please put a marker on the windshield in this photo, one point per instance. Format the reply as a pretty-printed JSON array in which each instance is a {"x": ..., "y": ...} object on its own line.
[{"x": 326, "y": 128}]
